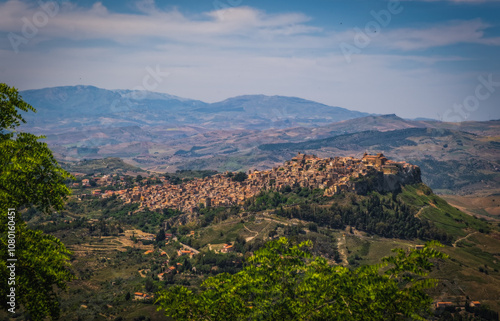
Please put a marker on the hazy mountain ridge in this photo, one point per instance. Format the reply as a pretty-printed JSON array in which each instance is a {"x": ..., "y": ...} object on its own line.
[
  {"x": 164, "y": 133},
  {"x": 88, "y": 105},
  {"x": 453, "y": 160}
]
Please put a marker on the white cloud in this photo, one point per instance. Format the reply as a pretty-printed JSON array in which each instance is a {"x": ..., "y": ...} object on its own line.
[
  {"x": 449, "y": 33},
  {"x": 97, "y": 22},
  {"x": 236, "y": 51},
  {"x": 425, "y": 37}
]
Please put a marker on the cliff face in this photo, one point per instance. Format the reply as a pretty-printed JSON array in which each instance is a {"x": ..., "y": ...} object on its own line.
[
  {"x": 406, "y": 176},
  {"x": 388, "y": 180}
]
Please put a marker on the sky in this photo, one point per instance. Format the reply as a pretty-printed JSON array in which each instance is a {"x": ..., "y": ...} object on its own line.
[{"x": 434, "y": 59}]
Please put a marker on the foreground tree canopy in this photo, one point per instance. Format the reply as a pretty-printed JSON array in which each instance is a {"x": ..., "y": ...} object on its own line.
[
  {"x": 284, "y": 282},
  {"x": 29, "y": 177}
]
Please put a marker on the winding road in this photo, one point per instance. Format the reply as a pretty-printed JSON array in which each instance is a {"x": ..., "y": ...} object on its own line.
[{"x": 463, "y": 238}]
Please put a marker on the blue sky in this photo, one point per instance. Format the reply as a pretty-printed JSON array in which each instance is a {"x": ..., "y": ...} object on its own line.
[{"x": 434, "y": 59}]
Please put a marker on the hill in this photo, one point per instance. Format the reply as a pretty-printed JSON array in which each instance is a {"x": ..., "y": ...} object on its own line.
[
  {"x": 277, "y": 111},
  {"x": 77, "y": 106},
  {"x": 161, "y": 133},
  {"x": 451, "y": 160},
  {"x": 105, "y": 166},
  {"x": 123, "y": 247}
]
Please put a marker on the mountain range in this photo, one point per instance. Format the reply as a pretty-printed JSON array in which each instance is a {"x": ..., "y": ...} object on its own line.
[
  {"x": 161, "y": 132},
  {"x": 87, "y": 106}
]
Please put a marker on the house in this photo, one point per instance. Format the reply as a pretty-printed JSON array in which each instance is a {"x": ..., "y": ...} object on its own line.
[
  {"x": 161, "y": 276},
  {"x": 140, "y": 296},
  {"x": 184, "y": 252},
  {"x": 107, "y": 194},
  {"x": 443, "y": 304},
  {"x": 378, "y": 160},
  {"x": 227, "y": 248},
  {"x": 148, "y": 252},
  {"x": 475, "y": 304}
]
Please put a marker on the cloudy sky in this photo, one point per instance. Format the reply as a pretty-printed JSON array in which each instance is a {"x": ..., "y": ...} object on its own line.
[{"x": 433, "y": 59}]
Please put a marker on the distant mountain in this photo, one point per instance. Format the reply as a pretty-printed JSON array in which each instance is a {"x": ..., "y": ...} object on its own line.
[
  {"x": 77, "y": 106},
  {"x": 367, "y": 139},
  {"x": 278, "y": 111},
  {"x": 161, "y": 132},
  {"x": 89, "y": 106},
  {"x": 450, "y": 159}
]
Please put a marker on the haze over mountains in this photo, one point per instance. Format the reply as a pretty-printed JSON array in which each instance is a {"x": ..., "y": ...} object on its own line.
[
  {"x": 162, "y": 132},
  {"x": 87, "y": 105}
]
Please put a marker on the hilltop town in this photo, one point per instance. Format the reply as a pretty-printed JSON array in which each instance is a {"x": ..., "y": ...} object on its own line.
[{"x": 333, "y": 175}]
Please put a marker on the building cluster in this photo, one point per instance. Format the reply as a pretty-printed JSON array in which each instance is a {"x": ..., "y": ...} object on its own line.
[
  {"x": 457, "y": 304},
  {"x": 334, "y": 175}
]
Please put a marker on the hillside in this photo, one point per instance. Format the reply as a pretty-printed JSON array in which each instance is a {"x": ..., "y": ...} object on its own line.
[
  {"x": 105, "y": 166},
  {"x": 119, "y": 248},
  {"x": 277, "y": 111},
  {"x": 450, "y": 160},
  {"x": 79, "y": 106},
  {"x": 160, "y": 132}
]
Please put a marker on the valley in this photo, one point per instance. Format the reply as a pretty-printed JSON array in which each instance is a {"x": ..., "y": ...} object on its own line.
[
  {"x": 121, "y": 248},
  {"x": 455, "y": 157},
  {"x": 156, "y": 204}
]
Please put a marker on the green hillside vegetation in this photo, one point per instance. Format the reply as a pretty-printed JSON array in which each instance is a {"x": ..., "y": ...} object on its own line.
[
  {"x": 292, "y": 253},
  {"x": 453, "y": 175},
  {"x": 445, "y": 217},
  {"x": 372, "y": 138},
  {"x": 104, "y": 166},
  {"x": 285, "y": 282},
  {"x": 109, "y": 248},
  {"x": 413, "y": 213},
  {"x": 108, "y": 256}
]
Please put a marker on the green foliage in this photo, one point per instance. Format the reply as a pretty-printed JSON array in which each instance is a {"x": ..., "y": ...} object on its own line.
[
  {"x": 455, "y": 174},
  {"x": 284, "y": 282},
  {"x": 270, "y": 199},
  {"x": 30, "y": 177},
  {"x": 240, "y": 177},
  {"x": 10, "y": 101},
  {"x": 376, "y": 214},
  {"x": 444, "y": 216},
  {"x": 216, "y": 214},
  {"x": 29, "y": 174},
  {"x": 105, "y": 166},
  {"x": 42, "y": 262}
]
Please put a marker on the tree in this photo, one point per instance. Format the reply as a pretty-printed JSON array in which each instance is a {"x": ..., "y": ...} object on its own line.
[
  {"x": 160, "y": 236},
  {"x": 240, "y": 177},
  {"x": 29, "y": 177},
  {"x": 284, "y": 282}
]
